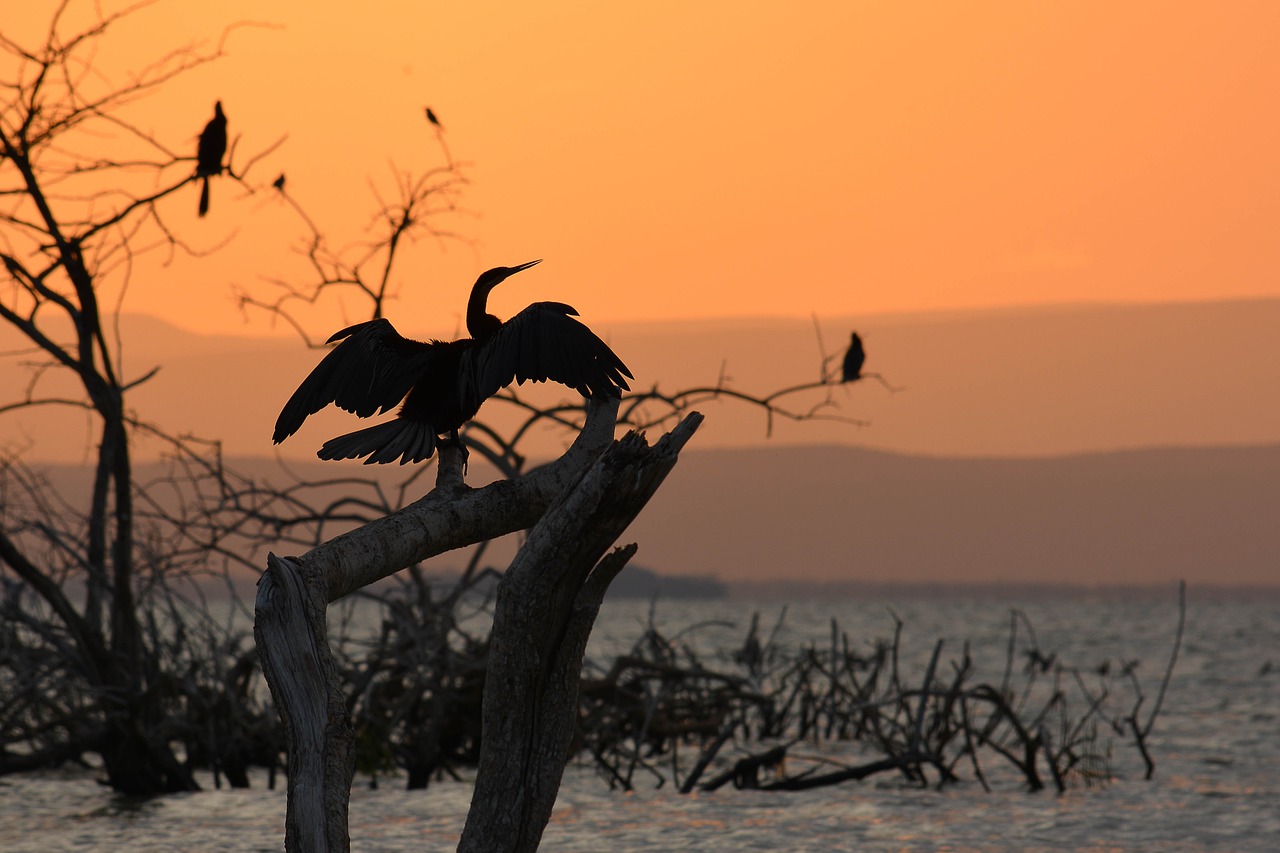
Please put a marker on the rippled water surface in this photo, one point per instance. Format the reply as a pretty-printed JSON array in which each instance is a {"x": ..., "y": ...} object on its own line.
[{"x": 1216, "y": 747}]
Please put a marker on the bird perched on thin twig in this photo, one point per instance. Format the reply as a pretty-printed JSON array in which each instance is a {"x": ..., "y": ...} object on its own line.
[
  {"x": 433, "y": 118},
  {"x": 209, "y": 152},
  {"x": 443, "y": 383},
  {"x": 278, "y": 183},
  {"x": 853, "y": 360}
]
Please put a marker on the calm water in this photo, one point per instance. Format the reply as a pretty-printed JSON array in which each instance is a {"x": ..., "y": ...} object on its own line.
[{"x": 1216, "y": 746}]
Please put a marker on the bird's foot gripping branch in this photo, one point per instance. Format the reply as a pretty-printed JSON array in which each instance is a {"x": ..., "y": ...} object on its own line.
[{"x": 547, "y": 603}]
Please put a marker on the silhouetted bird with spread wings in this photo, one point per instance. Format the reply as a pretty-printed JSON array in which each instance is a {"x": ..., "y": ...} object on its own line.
[
  {"x": 443, "y": 383},
  {"x": 853, "y": 360},
  {"x": 209, "y": 153}
]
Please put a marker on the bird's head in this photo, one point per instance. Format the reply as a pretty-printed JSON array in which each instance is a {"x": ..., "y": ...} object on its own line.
[
  {"x": 490, "y": 279},
  {"x": 480, "y": 323}
]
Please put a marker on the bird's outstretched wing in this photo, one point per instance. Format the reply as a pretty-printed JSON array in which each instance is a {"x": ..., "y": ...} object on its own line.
[
  {"x": 368, "y": 373},
  {"x": 543, "y": 342}
]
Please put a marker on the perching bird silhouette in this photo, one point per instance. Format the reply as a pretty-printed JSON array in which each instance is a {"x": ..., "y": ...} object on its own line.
[
  {"x": 433, "y": 118},
  {"x": 853, "y": 360},
  {"x": 209, "y": 152},
  {"x": 443, "y": 383}
]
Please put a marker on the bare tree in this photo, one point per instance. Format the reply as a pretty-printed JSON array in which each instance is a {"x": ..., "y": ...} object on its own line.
[{"x": 82, "y": 194}]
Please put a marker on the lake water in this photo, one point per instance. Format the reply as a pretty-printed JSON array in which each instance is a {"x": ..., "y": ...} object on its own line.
[{"x": 1216, "y": 747}]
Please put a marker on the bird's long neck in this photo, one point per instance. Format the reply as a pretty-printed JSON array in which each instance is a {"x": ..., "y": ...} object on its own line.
[{"x": 480, "y": 323}]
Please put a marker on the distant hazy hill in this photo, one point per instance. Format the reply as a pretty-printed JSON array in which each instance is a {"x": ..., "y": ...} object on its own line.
[
  {"x": 1209, "y": 515},
  {"x": 639, "y": 582},
  {"x": 1018, "y": 382},
  {"x": 800, "y": 515}
]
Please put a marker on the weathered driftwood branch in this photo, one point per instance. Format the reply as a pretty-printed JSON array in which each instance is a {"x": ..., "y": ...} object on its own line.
[
  {"x": 904, "y": 761},
  {"x": 547, "y": 604},
  {"x": 290, "y": 625},
  {"x": 453, "y": 515},
  {"x": 660, "y": 697}
]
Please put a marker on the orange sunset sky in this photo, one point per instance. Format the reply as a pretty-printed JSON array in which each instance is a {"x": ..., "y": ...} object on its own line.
[{"x": 684, "y": 160}]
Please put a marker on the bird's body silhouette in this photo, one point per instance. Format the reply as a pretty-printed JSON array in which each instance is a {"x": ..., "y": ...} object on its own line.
[
  {"x": 443, "y": 383},
  {"x": 278, "y": 183},
  {"x": 433, "y": 118},
  {"x": 209, "y": 152},
  {"x": 853, "y": 360}
]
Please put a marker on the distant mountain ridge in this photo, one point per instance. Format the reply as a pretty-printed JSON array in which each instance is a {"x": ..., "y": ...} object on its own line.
[
  {"x": 804, "y": 517},
  {"x": 1207, "y": 515}
]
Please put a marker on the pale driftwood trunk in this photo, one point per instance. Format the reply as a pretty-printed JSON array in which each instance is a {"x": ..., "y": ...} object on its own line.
[
  {"x": 293, "y": 593},
  {"x": 292, "y": 638},
  {"x": 547, "y": 604}
]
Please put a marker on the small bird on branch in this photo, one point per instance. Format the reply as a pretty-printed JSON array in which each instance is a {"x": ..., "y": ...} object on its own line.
[
  {"x": 210, "y": 151},
  {"x": 854, "y": 359}
]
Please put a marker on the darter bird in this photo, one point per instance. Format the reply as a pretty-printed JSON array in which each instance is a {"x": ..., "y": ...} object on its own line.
[{"x": 443, "y": 383}]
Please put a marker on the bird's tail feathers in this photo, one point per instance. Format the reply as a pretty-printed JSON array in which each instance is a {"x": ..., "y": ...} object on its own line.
[
  {"x": 405, "y": 440},
  {"x": 204, "y": 197}
]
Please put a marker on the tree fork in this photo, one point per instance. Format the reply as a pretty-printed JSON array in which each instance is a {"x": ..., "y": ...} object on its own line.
[
  {"x": 547, "y": 604},
  {"x": 290, "y": 629}
]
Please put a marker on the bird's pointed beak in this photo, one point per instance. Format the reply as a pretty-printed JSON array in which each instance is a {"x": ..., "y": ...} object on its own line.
[{"x": 524, "y": 266}]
